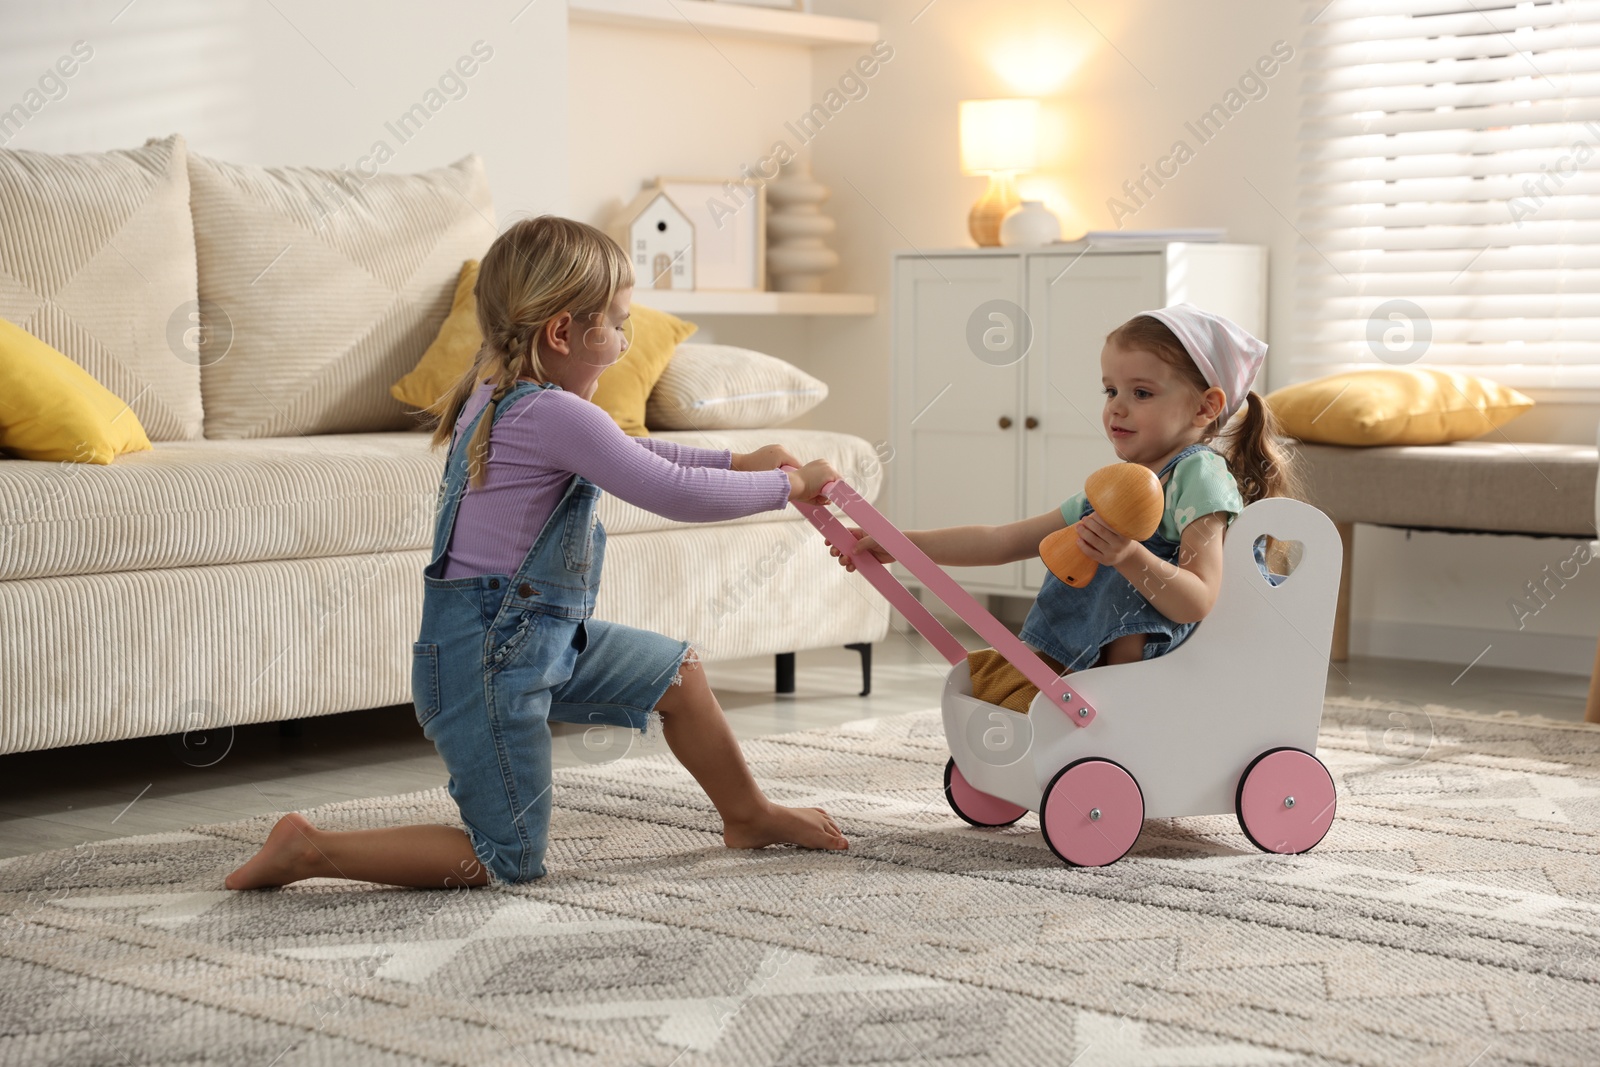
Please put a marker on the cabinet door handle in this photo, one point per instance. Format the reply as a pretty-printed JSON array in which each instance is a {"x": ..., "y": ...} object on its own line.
[
  {"x": 1031, "y": 423},
  {"x": 1005, "y": 422}
]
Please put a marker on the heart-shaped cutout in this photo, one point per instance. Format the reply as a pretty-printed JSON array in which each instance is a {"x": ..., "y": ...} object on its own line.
[{"x": 1277, "y": 559}]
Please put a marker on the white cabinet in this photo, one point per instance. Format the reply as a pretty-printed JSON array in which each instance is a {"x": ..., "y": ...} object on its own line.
[
  {"x": 996, "y": 373},
  {"x": 948, "y": 404}
]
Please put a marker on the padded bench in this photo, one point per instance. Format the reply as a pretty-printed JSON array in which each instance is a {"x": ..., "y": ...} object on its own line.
[{"x": 1499, "y": 487}]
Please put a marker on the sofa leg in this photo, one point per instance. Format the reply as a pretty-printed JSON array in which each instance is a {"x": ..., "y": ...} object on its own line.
[
  {"x": 1340, "y": 651},
  {"x": 785, "y": 672},
  {"x": 865, "y": 648}
]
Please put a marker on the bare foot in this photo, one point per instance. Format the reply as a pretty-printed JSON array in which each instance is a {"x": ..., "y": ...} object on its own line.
[
  {"x": 287, "y": 856},
  {"x": 806, "y": 827}
]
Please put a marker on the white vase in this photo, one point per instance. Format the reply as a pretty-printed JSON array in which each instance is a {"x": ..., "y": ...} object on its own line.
[
  {"x": 796, "y": 257},
  {"x": 1028, "y": 225}
]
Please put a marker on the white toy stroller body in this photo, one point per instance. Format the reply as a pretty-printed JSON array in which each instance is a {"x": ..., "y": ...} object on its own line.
[{"x": 1226, "y": 722}]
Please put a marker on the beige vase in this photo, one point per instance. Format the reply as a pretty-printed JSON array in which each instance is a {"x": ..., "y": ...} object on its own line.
[{"x": 796, "y": 257}]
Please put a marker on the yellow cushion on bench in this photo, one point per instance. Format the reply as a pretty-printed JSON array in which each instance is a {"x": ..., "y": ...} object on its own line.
[{"x": 1395, "y": 406}]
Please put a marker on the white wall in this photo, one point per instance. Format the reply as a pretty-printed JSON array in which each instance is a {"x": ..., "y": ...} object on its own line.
[
  {"x": 894, "y": 161},
  {"x": 645, "y": 104},
  {"x": 301, "y": 82}
]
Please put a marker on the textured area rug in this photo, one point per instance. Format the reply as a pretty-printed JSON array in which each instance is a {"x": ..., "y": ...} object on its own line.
[{"x": 1451, "y": 917}]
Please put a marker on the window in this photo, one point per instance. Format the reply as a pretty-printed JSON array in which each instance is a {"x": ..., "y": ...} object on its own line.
[{"x": 1450, "y": 189}]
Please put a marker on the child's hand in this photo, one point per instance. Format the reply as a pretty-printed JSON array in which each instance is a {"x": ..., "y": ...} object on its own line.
[
  {"x": 1103, "y": 544},
  {"x": 862, "y": 542},
  {"x": 805, "y": 484},
  {"x": 768, "y": 458}
]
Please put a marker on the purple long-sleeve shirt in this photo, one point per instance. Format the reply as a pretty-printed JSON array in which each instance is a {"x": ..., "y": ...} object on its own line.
[{"x": 547, "y": 437}]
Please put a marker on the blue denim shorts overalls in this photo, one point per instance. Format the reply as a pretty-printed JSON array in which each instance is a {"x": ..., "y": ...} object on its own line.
[
  {"x": 501, "y": 656},
  {"x": 1073, "y": 625}
]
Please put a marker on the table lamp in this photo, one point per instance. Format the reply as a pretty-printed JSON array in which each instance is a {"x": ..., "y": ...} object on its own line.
[{"x": 998, "y": 138}]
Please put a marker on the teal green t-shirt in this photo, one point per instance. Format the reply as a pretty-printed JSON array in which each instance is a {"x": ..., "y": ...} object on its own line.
[{"x": 1200, "y": 485}]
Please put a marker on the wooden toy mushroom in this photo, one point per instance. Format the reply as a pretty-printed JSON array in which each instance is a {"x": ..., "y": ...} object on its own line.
[{"x": 1127, "y": 497}]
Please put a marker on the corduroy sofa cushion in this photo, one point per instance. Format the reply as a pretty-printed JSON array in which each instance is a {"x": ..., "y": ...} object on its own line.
[
  {"x": 198, "y": 503},
  {"x": 97, "y": 260},
  {"x": 330, "y": 288}
]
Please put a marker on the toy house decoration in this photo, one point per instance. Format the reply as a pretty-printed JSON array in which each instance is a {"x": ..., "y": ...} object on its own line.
[{"x": 660, "y": 239}]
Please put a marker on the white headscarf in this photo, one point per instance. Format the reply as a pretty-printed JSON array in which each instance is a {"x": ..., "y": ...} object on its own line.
[{"x": 1227, "y": 355}]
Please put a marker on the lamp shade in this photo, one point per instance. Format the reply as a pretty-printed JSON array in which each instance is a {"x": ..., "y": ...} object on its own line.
[{"x": 999, "y": 135}]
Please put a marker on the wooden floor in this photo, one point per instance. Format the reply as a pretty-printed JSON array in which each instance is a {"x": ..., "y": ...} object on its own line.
[{"x": 64, "y": 797}]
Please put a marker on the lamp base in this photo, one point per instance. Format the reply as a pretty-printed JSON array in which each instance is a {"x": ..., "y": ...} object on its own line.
[{"x": 983, "y": 221}]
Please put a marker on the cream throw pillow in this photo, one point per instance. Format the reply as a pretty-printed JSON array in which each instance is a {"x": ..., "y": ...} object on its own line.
[
  {"x": 97, "y": 261},
  {"x": 331, "y": 286},
  {"x": 721, "y": 387}
]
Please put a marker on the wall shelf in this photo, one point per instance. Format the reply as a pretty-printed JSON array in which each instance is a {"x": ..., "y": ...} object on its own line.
[
  {"x": 716, "y": 302},
  {"x": 726, "y": 19}
]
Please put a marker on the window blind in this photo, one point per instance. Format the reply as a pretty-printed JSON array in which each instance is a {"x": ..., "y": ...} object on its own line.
[{"x": 1449, "y": 189}]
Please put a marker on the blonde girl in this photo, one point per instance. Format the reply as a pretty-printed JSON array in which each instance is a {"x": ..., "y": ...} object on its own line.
[{"x": 508, "y": 642}]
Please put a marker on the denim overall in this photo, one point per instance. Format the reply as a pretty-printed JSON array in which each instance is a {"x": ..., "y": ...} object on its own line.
[
  {"x": 501, "y": 656},
  {"x": 1073, "y": 625}
]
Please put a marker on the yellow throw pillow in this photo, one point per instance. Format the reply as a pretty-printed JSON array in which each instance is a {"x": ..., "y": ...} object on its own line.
[
  {"x": 452, "y": 351},
  {"x": 1395, "y": 406},
  {"x": 52, "y": 409},
  {"x": 621, "y": 391},
  {"x": 624, "y": 386}
]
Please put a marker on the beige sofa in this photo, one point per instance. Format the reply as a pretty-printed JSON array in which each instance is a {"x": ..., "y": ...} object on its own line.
[{"x": 262, "y": 562}]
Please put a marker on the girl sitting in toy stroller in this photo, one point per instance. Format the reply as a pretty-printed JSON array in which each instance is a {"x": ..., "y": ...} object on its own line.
[
  {"x": 1173, "y": 379},
  {"x": 1226, "y": 723}
]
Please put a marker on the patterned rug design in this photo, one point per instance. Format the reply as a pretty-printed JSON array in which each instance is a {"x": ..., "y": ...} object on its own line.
[{"x": 1451, "y": 917}]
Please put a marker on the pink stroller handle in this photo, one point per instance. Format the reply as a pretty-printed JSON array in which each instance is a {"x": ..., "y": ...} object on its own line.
[{"x": 957, "y": 599}]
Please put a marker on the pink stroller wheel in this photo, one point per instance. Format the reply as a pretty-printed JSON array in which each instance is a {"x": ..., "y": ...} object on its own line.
[
  {"x": 1091, "y": 813},
  {"x": 979, "y": 809},
  {"x": 1285, "y": 801}
]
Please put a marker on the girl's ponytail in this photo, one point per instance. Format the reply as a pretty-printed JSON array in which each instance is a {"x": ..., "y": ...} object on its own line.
[{"x": 1258, "y": 463}]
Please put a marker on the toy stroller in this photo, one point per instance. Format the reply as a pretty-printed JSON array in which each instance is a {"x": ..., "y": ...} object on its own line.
[{"x": 1226, "y": 722}]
